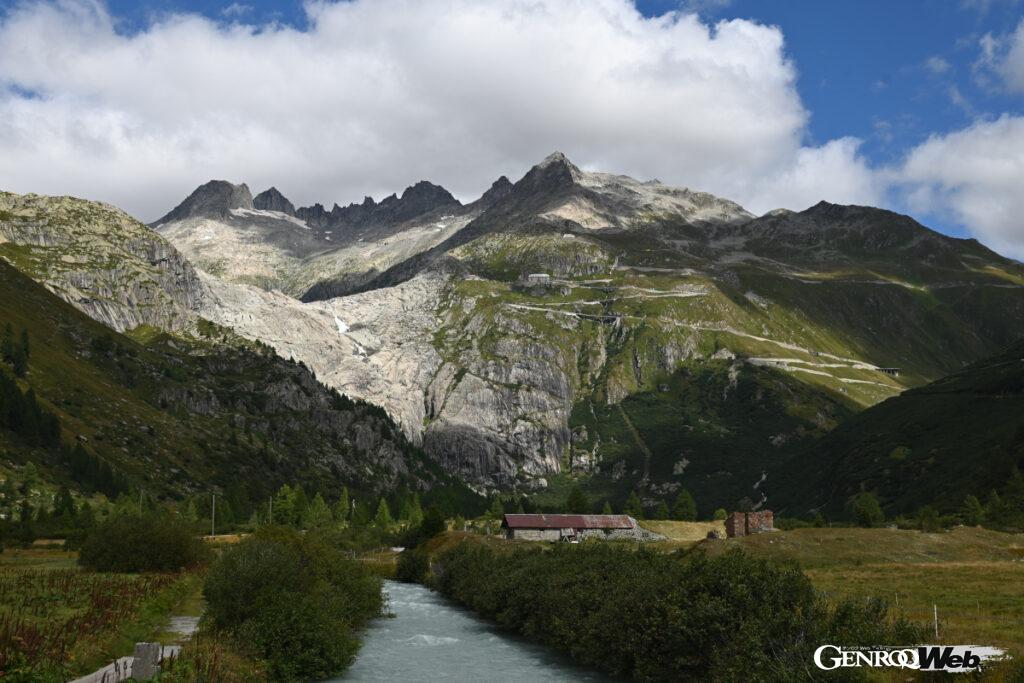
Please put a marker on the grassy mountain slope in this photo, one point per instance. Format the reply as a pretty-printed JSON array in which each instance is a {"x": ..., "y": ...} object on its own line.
[
  {"x": 176, "y": 415},
  {"x": 931, "y": 445}
]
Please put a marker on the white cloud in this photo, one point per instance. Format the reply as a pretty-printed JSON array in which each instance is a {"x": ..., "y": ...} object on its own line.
[
  {"x": 376, "y": 95},
  {"x": 817, "y": 172},
  {"x": 236, "y": 9},
  {"x": 936, "y": 65},
  {"x": 974, "y": 176},
  {"x": 1002, "y": 57},
  {"x": 1012, "y": 65}
]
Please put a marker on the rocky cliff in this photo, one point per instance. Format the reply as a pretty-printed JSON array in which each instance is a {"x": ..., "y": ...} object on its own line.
[{"x": 100, "y": 260}]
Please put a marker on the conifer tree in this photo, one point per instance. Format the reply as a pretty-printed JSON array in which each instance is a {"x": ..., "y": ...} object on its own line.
[
  {"x": 577, "y": 502},
  {"x": 383, "y": 517},
  {"x": 972, "y": 511},
  {"x": 343, "y": 508},
  {"x": 685, "y": 508},
  {"x": 634, "y": 507},
  {"x": 318, "y": 515}
]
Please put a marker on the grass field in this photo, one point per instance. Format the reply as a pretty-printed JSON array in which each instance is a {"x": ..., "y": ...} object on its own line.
[
  {"x": 686, "y": 532},
  {"x": 974, "y": 577}
]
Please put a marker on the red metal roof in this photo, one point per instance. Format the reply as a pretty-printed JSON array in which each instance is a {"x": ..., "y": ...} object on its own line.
[{"x": 568, "y": 522}]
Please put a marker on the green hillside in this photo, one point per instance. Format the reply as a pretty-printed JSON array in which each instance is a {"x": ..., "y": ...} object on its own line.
[
  {"x": 176, "y": 415},
  {"x": 933, "y": 445}
]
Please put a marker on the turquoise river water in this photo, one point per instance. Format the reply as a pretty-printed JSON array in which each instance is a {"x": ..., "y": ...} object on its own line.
[{"x": 431, "y": 639}]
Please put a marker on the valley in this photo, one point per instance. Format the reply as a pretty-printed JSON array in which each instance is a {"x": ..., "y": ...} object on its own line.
[{"x": 560, "y": 327}]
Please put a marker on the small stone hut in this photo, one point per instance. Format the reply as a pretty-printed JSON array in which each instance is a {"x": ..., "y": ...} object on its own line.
[
  {"x": 571, "y": 527},
  {"x": 748, "y": 523},
  {"x": 538, "y": 279}
]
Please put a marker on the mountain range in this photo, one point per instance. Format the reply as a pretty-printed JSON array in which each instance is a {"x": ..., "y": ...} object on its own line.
[{"x": 572, "y": 326}]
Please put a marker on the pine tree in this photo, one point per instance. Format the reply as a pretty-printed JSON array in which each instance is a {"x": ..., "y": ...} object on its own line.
[
  {"x": 685, "y": 508},
  {"x": 634, "y": 507},
  {"x": 19, "y": 361},
  {"x": 343, "y": 508},
  {"x": 318, "y": 515},
  {"x": 284, "y": 506},
  {"x": 662, "y": 511},
  {"x": 607, "y": 509},
  {"x": 24, "y": 343},
  {"x": 383, "y": 517},
  {"x": 300, "y": 503},
  {"x": 7, "y": 344},
  {"x": 577, "y": 502},
  {"x": 497, "y": 510},
  {"x": 416, "y": 512},
  {"x": 972, "y": 512}
]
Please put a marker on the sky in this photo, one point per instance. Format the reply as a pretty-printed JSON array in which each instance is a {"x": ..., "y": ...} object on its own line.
[{"x": 916, "y": 106}]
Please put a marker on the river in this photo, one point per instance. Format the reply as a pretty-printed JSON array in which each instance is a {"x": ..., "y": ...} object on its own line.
[{"x": 430, "y": 639}]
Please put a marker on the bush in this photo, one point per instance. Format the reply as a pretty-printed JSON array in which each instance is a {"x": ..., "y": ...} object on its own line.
[
  {"x": 156, "y": 542},
  {"x": 413, "y": 565},
  {"x": 866, "y": 511},
  {"x": 297, "y": 601},
  {"x": 652, "y": 616}
]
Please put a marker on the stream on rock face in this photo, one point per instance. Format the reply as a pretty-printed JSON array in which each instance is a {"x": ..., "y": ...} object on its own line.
[{"x": 430, "y": 638}]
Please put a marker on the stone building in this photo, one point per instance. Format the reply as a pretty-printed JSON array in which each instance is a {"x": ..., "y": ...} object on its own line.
[
  {"x": 538, "y": 279},
  {"x": 573, "y": 527},
  {"x": 747, "y": 523}
]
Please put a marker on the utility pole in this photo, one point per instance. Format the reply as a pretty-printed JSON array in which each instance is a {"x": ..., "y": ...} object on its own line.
[{"x": 213, "y": 516}]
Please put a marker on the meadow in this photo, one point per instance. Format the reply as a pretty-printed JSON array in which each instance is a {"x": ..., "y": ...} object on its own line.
[
  {"x": 57, "y": 621},
  {"x": 973, "y": 576}
]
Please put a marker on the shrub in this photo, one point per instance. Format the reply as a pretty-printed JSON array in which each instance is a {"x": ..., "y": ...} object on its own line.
[
  {"x": 413, "y": 565},
  {"x": 297, "y": 601},
  {"x": 155, "y": 542},
  {"x": 866, "y": 511},
  {"x": 652, "y": 616}
]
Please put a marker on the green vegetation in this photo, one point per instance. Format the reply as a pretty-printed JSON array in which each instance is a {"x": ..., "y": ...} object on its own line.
[
  {"x": 931, "y": 446},
  {"x": 56, "y": 623},
  {"x": 154, "y": 542},
  {"x": 973, "y": 576},
  {"x": 657, "y": 616},
  {"x": 291, "y": 600},
  {"x": 713, "y": 427}
]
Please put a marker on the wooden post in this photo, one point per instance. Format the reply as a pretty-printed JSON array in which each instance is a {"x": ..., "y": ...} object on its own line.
[
  {"x": 936, "y": 608},
  {"x": 213, "y": 515}
]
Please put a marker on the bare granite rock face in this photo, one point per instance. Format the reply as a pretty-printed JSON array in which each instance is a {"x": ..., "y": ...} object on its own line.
[{"x": 99, "y": 259}]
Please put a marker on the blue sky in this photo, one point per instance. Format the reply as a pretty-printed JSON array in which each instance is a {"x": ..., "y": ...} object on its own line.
[{"x": 865, "y": 102}]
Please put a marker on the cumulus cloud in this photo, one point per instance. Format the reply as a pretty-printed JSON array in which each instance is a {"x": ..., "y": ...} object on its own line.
[
  {"x": 376, "y": 95},
  {"x": 974, "y": 176}
]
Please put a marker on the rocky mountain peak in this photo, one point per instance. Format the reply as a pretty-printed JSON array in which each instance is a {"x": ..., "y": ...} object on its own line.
[
  {"x": 499, "y": 189},
  {"x": 555, "y": 172},
  {"x": 214, "y": 199},
  {"x": 426, "y": 196},
  {"x": 273, "y": 200}
]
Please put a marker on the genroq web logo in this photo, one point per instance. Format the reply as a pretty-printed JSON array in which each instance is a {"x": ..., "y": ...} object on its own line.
[{"x": 950, "y": 658}]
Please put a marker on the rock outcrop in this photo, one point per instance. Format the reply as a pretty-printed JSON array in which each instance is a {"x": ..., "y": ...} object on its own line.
[
  {"x": 273, "y": 200},
  {"x": 100, "y": 260},
  {"x": 214, "y": 199}
]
